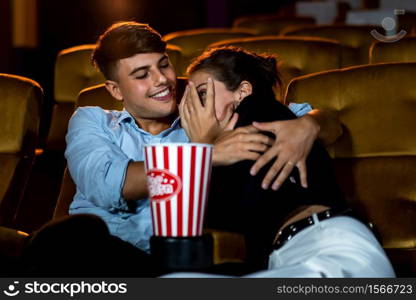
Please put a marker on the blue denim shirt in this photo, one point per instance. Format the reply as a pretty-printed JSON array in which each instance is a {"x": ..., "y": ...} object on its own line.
[{"x": 100, "y": 144}]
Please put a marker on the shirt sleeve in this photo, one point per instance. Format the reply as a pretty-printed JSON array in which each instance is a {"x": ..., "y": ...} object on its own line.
[
  {"x": 300, "y": 109},
  {"x": 97, "y": 165}
]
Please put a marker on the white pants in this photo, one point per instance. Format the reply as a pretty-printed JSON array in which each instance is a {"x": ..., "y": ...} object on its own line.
[{"x": 335, "y": 247}]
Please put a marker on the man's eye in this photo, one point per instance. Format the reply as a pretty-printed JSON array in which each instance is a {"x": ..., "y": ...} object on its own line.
[
  {"x": 164, "y": 66},
  {"x": 141, "y": 76}
]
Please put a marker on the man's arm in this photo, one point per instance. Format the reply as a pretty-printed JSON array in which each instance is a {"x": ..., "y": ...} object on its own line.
[
  {"x": 329, "y": 125},
  {"x": 135, "y": 186},
  {"x": 102, "y": 172},
  {"x": 294, "y": 140}
]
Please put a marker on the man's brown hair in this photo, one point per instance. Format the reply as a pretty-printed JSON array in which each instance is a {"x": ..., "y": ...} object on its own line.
[{"x": 122, "y": 40}]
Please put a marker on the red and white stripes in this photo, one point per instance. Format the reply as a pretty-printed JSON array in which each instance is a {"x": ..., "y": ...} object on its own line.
[{"x": 178, "y": 181}]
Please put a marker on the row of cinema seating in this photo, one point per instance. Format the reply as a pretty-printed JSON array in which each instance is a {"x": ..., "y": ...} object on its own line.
[
  {"x": 375, "y": 157},
  {"x": 339, "y": 47}
]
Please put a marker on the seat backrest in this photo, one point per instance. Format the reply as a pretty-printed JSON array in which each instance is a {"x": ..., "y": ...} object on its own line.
[
  {"x": 92, "y": 96},
  {"x": 66, "y": 195},
  {"x": 354, "y": 37},
  {"x": 73, "y": 72},
  {"x": 20, "y": 104},
  {"x": 98, "y": 96},
  {"x": 403, "y": 50},
  {"x": 375, "y": 158},
  {"x": 375, "y": 103},
  {"x": 297, "y": 56},
  {"x": 193, "y": 42},
  {"x": 270, "y": 24}
]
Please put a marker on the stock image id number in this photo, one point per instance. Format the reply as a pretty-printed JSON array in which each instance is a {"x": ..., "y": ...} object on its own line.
[{"x": 390, "y": 289}]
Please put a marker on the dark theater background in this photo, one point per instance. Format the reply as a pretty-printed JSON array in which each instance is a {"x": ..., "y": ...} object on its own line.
[
  {"x": 33, "y": 32},
  {"x": 372, "y": 41}
]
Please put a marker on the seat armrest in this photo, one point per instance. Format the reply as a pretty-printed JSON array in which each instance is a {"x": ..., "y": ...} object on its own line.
[
  {"x": 229, "y": 247},
  {"x": 12, "y": 241}
]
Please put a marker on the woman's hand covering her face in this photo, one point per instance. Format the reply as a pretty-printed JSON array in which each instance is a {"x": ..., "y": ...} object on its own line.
[
  {"x": 200, "y": 121},
  {"x": 202, "y": 126}
]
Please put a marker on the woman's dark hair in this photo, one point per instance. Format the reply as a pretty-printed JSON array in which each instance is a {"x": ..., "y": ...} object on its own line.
[
  {"x": 122, "y": 40},
  {"x": 232, "y": 65}
]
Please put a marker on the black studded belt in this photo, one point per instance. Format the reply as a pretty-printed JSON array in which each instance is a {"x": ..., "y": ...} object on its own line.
[{"x": 288, "y": 232}]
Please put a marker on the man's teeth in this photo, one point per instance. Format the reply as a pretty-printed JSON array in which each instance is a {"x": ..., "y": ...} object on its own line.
[{"x": 161, "y": 94}]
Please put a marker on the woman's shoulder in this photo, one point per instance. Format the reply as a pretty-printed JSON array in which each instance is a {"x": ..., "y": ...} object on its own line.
[{"x": 262, "y": 109}]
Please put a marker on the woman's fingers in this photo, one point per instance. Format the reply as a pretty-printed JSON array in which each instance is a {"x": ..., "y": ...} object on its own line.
[
  {"x": 267, "y": 126},
  {"x": 229, "y": 113},
  {"x": 183, "y": 99},
  {"x": 248, "y": 155},
  {"x": 232, "y": 122},
  {"x": 210, "y": 97},
  {"x": 193, "y": 97}
]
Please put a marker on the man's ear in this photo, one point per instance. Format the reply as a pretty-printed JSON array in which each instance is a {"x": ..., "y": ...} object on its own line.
[
  {"x": 114, "y": 89},
  {"x": 244, "y": 89}
]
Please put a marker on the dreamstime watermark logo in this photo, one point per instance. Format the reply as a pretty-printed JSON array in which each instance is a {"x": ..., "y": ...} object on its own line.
[
  {"x": 71, "y": 289},
  {"x": 388, "y": 23}
]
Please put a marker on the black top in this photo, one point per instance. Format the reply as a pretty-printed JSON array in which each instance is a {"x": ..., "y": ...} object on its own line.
[{"x": 238, "y": 203}]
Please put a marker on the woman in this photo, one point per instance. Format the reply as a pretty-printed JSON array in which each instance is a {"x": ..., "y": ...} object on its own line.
[{"x": 228, "y": 80}]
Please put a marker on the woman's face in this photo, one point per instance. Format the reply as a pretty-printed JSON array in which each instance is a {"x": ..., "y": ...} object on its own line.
[{"x": 224, "y": 99}]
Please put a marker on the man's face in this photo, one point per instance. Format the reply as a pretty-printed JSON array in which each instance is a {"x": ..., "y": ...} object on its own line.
[{"x": 146, "y": 83}]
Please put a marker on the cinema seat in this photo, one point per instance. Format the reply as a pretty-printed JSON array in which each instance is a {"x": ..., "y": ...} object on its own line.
[
  {"x": 375, "y": 158},
  {"x": 73, "y": 72},
  {"x": 356, "y": 39},
  {"x": 92, "y": 96},
  {"x": 20, "y": 104},
  {"x": 297, "y": 56},
  {"x": 403, "y": 50},
  {"x": 269, "y": 24},
  {"x": 193, "y": 42}
]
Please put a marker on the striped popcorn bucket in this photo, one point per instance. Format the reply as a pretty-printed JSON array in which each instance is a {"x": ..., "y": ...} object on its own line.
[{"x": 178, "y": 177}]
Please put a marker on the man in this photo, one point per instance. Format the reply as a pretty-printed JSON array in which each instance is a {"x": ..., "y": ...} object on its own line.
[{"x": 104, "y": 151}]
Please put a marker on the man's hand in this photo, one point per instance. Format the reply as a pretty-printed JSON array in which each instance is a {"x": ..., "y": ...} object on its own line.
[
  {"x": 294, "y": 140},
  {"x": 200, "y": 121},
  {"x": 243, "y": 143}
]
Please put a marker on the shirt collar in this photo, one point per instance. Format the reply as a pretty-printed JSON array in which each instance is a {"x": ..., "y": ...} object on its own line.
[{"x": 125, "y": 116}]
